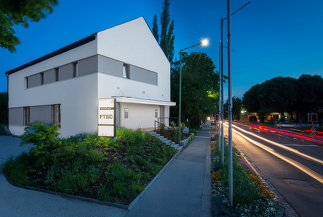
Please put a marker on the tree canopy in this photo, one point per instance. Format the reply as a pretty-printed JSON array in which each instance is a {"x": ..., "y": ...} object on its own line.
[
  {"x": 166, "y": 36},
  {"x": 285, "y": 94},
  {"x": 199, "y": 87},
  {"x": 13, "y": 12}
]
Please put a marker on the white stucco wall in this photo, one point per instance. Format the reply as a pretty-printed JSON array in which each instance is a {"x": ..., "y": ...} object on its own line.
[
  {"x": 77, "y": 96},
  {"x": 140, "y": 116},
  {"x": 133, "y": 43}
]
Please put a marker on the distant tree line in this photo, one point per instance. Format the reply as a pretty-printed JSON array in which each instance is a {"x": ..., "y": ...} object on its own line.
[{"x": 285, "y": 94}]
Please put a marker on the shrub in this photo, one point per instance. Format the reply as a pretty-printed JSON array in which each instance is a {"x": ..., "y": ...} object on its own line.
[{"x": 89, "y": 165}]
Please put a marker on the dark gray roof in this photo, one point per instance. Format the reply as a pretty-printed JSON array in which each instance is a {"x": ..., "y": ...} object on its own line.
[{"x": 55, "y": 53}]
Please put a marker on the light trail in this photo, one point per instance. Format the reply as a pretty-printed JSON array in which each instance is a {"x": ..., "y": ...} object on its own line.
[
  {"x": 282, "y": 146},
  {"x": 299, "y": 166},
  {"x": 301, "y": 135}
]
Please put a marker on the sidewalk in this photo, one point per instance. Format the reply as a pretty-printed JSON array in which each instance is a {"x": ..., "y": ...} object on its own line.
[
  {"x": 17, "y": 202},
  {"x": 183, "y": 189}
]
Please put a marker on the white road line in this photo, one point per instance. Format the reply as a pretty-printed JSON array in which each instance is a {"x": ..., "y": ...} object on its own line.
[
  {"x": 281, "y": 146},
  {"x": 300, "y": 145},
  {"x": 299, "y": 166}
]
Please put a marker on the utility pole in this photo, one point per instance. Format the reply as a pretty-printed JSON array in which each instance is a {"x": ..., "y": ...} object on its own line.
[
  {"x": 230, "y": 104},
  {"x": 221, "y": 106}
]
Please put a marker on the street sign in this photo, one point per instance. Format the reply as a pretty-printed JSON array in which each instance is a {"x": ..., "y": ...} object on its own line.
[{"x": 106, "y": 117}]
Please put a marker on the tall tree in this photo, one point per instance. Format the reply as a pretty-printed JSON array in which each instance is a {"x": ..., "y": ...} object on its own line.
[
  {"x": 199, "y": 88},
  {"x": 155, "y": 28},
  {"x": 166, "y": 37},
  {"x": 14, "y": 12}
]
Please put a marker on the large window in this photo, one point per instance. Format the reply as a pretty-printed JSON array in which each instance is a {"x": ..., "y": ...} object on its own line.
[
  {"x": 48, "y": 114},
  {"x": 126, "y": 71}
]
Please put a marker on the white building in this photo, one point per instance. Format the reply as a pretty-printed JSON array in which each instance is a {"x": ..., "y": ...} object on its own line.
[{"x": 123, "y": 62}]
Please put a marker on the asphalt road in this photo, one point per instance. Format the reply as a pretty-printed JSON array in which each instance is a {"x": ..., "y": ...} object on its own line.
[{"x": 294, "y": 167}]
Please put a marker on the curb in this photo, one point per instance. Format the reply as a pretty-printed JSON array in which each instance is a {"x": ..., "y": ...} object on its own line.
[
  {"x": 187, "y": 141},
  {"x": 70, "y": 196},
  {"x": 284, "y": 207}
]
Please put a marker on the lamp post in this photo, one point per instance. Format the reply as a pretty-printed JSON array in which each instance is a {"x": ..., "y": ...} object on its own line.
[
  {"x": 221, "y": 81},
  {"x": 203, "y": 43}
]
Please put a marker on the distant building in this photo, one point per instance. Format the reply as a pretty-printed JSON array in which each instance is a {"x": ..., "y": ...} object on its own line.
[{"x": 123, "y": 62}]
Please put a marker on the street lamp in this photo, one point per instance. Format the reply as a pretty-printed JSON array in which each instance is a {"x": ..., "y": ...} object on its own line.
[
  {"x": 204, "y": 43},
  {"x": 221, "y": 81}
]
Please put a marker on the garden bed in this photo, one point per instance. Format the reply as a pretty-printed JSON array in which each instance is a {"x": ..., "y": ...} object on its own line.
[
  {"x": 171, "y": 133},
  {"x": 251, "y": 196},
  {"x": 88, "y": 165}
]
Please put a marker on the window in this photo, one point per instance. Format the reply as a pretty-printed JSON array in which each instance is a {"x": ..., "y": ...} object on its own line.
[
  {"x": 126, "y": 113},
  {"x": 156, "y": 113},
  {"x": 56, "y": 74},
  {"x": 75, "y": 69},
  {"x": 56, "y": 114},
  {"x": 126, "y": 71},
  {"x": 26, "y": 116}
]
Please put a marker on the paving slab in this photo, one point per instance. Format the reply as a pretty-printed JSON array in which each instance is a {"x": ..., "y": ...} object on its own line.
[
  {"x": 18, "y": 202},
  {"x": 183, "y": 188}
]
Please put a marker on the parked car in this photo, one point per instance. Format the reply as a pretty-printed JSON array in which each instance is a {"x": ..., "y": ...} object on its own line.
[{"x": 285, "y": 124}]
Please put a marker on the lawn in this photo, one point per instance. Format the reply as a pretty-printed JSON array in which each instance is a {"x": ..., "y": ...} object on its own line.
[{"x": 88, "y": 165}]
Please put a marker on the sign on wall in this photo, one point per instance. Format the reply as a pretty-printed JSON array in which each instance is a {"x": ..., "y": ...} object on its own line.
[{"x": 106, "y": 117}]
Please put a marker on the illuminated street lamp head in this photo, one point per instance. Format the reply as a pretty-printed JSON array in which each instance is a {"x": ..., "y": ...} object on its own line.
[{"x": 204, "y": 42}]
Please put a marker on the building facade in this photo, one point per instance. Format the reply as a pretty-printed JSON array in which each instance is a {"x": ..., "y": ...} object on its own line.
[{"x": 123, "y": 62}]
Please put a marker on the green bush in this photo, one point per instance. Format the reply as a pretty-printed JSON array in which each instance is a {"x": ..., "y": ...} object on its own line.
[{"x": 89, "y": 165}]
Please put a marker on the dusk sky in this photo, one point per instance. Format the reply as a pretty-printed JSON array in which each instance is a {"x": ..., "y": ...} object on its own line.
[{"x": 271, "y": 38}]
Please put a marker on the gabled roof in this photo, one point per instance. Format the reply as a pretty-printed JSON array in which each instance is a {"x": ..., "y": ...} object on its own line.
[
  {"x": 67, "y": 48},
  {"x": 55, "y": 53}
]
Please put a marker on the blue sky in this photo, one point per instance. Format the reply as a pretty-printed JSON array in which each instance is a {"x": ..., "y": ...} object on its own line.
[{"x": 271, "y": 38}]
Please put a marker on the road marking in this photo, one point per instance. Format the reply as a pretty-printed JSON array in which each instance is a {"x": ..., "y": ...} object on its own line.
[
  {"x": 282, "y": 146},
  {"x": 206, "y": 137},
  {"x": 299, "y": 166},
  {"x": 300, "y": 145}
]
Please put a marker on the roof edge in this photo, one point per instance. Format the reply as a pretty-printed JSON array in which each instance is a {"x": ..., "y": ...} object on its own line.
[{"x": 54, "y": 53}]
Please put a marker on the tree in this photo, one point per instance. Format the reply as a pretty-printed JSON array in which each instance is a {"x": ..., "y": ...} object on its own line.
[
  {"x": 250, "y": 99},
  {"x": 166, "y": 38},
  {"x": 236, "y": 107},
  {"x": 309, "y": 92},
  {"x": 20, "y": 12},
  {"x": 199, "y": 88},
  {"x": 155, "y": 28},
  {"x": 284, "y": 94}
]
